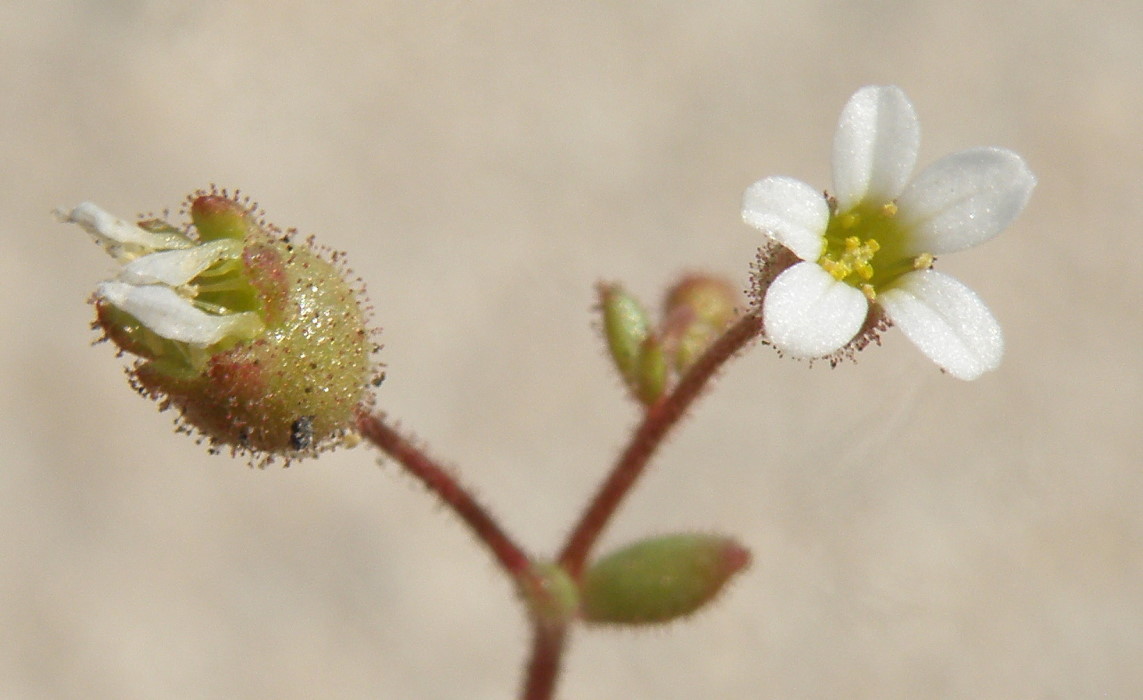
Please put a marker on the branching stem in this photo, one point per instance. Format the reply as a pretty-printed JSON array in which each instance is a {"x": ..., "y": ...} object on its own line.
[
  {"x": 657, "y": 422},
  {"x": 550, "y": 636}
]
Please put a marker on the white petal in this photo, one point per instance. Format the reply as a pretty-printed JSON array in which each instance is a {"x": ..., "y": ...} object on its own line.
[
  {"x": 177, "y": 267},
  {"x": 807, "y": 313},
  {"x": 965, "y": 199},
  {"x": 875, "y": 146},
  {"x": 123, "y": 240},
  {"x": 947, "y": 321},
  {"x": 165, "y": 312},
  {"x": 790, "y": 212}
]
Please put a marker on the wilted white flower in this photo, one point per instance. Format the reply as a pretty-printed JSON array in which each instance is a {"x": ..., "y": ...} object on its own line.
[
  {"x": 154, "y": 282},
  {"x": 874, "y": 240}
]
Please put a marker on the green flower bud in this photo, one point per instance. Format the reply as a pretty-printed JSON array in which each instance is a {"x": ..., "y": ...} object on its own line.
[
  {"x": 258, "y": 339},
  {"x": 660, "y": 579},
  {"x": 634, "y": 347},
  {"x": 626, "y": 326},
  {"x": 650, "y": 359}
]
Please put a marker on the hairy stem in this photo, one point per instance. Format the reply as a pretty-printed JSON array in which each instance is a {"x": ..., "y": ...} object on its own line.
[
  {"x": 550, "y": 636},
  {"x": 657, "y": 422},
  {"x": 441, "y": 482}
]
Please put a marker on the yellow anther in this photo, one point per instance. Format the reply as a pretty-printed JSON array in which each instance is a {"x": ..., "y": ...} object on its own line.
[
  {"x": 849, "y": 220},
  {"x": 838, "y": 270},
  {"x": 853, "y": 261},
  {"x": 923, "y": 261},
  {"x": 889, "y": 209}
]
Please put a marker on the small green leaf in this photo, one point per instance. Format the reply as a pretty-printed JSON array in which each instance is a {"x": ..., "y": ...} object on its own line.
[{"x": 660, "y": 579}]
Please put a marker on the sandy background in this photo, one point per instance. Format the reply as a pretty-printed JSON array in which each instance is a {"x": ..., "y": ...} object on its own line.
[{"x": 484, "y": 165}]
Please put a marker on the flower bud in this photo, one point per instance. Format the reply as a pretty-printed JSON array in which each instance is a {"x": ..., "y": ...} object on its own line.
[
  {"x": 626, "y": 326},
  {"x": 258, "y": 339},
  {"x": 696, "y": 311},
  {"x": 660, "y": 579},
  {"x": 651, "y": 360},
  {"x": 635, "y": 349}
]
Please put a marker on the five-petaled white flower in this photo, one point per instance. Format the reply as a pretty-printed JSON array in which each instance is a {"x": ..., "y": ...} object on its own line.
[{"x": 874, "y": 240}]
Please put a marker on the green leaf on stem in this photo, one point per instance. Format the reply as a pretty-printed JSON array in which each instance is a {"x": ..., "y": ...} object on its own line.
[{"x": 660, "y": 579}]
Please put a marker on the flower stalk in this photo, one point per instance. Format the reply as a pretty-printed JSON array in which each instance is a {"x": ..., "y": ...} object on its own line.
[
  {"x": 460, "y": 500},
  {"x": 658, "y": 420}
]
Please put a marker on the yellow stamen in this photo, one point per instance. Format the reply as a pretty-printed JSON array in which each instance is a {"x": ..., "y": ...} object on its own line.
[
  {"x": 855, "y": 259},
  {"x": 838, "y": 270}
]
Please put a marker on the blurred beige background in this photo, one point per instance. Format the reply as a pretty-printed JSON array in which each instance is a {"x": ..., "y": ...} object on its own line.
[{"x": 484, "y": 165}]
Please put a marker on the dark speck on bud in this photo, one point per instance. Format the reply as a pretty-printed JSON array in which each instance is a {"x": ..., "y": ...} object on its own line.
[{"x": 302, "y": 432}]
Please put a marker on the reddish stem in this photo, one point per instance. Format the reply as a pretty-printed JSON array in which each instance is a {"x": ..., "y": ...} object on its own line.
[
  {"x": 550, "y": 637},
  {"x": 438, "y": 479},
  {"x": 657, "y": 422},
  {"x": 544, "y": 667}
]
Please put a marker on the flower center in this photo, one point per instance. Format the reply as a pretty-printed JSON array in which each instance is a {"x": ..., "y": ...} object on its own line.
[
  {"x": 865, "y": 248},
  {"x": 225, "y": 288}
]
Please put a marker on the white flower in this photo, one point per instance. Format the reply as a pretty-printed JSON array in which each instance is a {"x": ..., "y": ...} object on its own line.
[
  {"x": 876, "y": 241},
  {"x": 155, "y": 284}
]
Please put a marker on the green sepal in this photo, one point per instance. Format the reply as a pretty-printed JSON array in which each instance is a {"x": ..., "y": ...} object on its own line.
[
  {"x": 217, "y": 216},
  {"x": 550, "y": 593},
  {"x": 659, "y": 579},
  {"x": 650, "y": 380}
]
